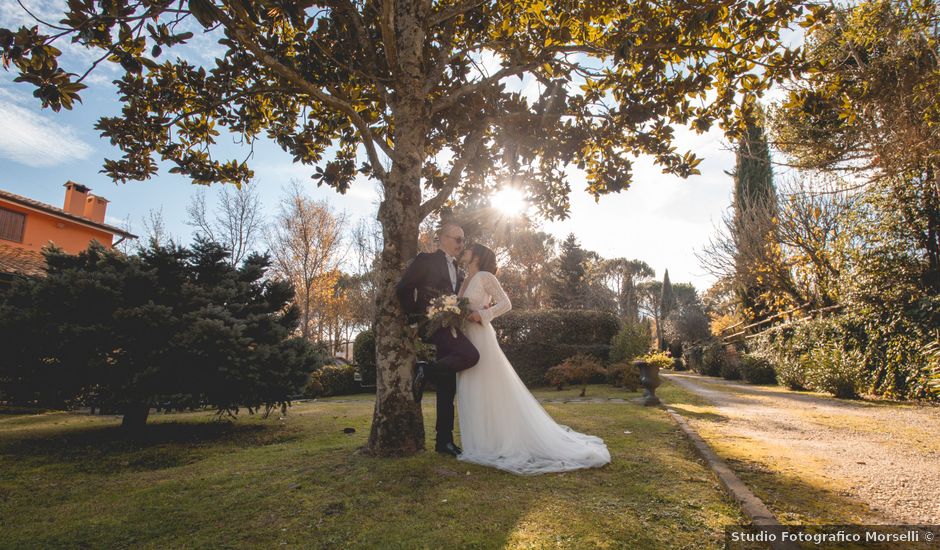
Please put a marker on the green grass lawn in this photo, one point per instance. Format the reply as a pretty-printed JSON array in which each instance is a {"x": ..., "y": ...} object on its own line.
[{"x": 68, "y": 479}]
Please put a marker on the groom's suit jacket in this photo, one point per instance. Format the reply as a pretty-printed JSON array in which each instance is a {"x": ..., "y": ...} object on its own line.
[{"x": 426, "y": 278}]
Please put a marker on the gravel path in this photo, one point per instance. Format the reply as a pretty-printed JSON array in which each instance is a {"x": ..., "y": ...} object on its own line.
[{"x": 884, "y": 454}]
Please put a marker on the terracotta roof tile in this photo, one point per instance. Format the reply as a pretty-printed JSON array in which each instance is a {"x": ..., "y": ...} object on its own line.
[
  {"x": 14, "y": 259},
  {"x": 59, "y": 212}
]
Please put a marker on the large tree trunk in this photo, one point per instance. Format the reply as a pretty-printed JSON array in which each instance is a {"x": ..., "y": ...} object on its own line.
[
  {"x": 398, "y": 425},
  {"x": 135, "y": 418}
]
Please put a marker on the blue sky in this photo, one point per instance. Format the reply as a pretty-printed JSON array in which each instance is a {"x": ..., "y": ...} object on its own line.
[{"x": 662, "y": 219}]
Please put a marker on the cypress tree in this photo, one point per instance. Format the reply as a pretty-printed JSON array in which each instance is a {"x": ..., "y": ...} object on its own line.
[
  {"x": 753, "y": 177},
  {"x": 668, "y": 300},
  {"x": 667, "y": 303},
  {"x": 758, "y": 269}
]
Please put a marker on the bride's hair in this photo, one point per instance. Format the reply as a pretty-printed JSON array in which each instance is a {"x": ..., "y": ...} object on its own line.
[{"x": 486, "y": 257}]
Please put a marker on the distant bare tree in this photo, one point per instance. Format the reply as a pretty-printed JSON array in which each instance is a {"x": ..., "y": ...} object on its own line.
[
  {"x": 127, "y": 246},
  {"x": 809, "y": 225},
  {"x": 155, "y": 230},
  {"x": 305, "y": 241},
  {"x": 238, "y": 219},
  {"x": 366, "y": 242},
  {"x": 813, "y": 227},
  {"x": 717, "y": 257},
  {"x": 742, "y": 256}
]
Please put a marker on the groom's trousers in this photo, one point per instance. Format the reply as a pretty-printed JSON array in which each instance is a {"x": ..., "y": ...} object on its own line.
[{"x": 454, "y": 354}]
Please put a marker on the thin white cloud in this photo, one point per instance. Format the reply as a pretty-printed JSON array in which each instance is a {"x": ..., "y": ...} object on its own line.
[
  {"x": 36, "y": 140},
  {"x": 47, "y": 10},
  {"x": 75, "y": 58}
]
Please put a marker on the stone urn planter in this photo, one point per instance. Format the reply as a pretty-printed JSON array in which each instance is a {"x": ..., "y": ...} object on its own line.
[{"x": 649, "y": 379}]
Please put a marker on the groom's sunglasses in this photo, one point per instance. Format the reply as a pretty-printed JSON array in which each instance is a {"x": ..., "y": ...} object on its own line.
[{"x": 458, "y": 240}]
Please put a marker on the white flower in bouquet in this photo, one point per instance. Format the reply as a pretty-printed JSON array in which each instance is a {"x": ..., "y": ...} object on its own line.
[{"x": 447, "y": 311}]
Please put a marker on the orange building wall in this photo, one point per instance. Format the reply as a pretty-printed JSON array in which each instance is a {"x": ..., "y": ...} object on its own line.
[{"x": 41, "y": 228}]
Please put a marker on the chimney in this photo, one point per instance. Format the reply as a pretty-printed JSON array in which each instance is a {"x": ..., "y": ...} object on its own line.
[
  {"x": 95, "y": 207},
  {"x": 75, "y": 195}
]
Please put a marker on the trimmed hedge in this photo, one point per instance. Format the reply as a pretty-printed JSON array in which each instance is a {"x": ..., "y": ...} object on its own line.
[
  {"x": 331, "y": 380},
  {"x": 787, "y": 346},
  {"x": 833, "y": 369},
  {"x": 535, "y": 341},
  {"x": 822, "y": 354},
  {"x": 712, "y": 359}
]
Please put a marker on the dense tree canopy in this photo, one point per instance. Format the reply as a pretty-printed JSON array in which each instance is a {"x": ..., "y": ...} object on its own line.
[
  {"x": 868, "y": 103},
  {"x": 425, "y": 91},
  {"x": 858, "y": 231},
  {"x": 869, "y": 107},
  {"x": 173, "y": 327},
  {"x": 310, "y": 75}
]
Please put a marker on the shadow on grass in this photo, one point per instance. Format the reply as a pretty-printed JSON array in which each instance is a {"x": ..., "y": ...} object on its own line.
[
  {"x": 20, "y": 410},
  {"x": 161, "y": 445},
  {"x": 316, "y": 491}
]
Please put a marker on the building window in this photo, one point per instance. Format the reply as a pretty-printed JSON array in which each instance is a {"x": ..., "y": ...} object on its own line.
[{"x": 11, "y": 225}]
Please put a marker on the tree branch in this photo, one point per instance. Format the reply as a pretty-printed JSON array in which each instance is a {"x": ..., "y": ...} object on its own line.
[
  {"x": 221, "y": 102},
  {"x": 471, "y": 146},
  {"x": 37, "y": 19},
  {"x": 389, "y": 152},
  {"x": 448, "y": 101},
  {"x": 453, "y": 11},
  {"x": 440, "y": 60},
  {"x": 368, "y": 47},
  {"x": 389, "y": 39},
  {"x": 291, "y": 75}
]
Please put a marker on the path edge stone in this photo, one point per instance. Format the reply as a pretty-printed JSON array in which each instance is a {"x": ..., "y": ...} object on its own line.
[{"x": 753, "y": 507}]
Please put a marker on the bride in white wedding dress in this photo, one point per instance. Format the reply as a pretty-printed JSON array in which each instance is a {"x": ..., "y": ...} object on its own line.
[{"x": 502, "y": 425}]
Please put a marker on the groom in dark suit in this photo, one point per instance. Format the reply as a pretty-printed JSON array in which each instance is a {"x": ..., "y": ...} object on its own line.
[{"x": 431, "y": 275}]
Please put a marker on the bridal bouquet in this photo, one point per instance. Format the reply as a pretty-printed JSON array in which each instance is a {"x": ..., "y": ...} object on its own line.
[{"x": 447, "y": 311}]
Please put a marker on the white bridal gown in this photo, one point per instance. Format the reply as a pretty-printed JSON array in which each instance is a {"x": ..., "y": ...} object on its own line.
[{"x": 502, "y": 425}]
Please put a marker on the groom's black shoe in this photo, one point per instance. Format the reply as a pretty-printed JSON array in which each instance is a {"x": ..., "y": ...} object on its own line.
[
  {"x": 419, "y": 380},
  {"x": 450, "y": 448}
]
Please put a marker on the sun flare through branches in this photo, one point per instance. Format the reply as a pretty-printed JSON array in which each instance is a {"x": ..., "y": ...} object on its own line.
[{"x": 510, "y": 201}]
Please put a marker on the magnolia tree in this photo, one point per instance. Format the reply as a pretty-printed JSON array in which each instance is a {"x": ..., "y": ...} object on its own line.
[{"x": 423, "y": 96}]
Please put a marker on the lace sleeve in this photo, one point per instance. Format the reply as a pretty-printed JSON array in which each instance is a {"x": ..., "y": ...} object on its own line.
[{"x": 501, "y": 300}]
